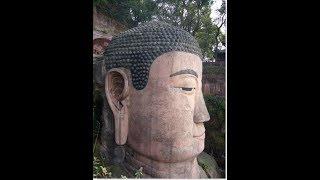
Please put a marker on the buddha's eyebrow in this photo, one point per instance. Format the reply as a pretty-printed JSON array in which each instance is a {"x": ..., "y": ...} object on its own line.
[{"x": 185, "y": 71}]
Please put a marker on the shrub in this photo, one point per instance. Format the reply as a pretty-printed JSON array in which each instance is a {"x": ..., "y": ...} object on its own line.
[
  {"x": 213, "y": 69},
  {"x": 215, "y": 134},
  {"x": 216, "y": 109},
  {"x": 99, "y": 170}
]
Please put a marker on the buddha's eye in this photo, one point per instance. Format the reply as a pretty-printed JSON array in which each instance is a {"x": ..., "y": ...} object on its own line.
[
  {"x": 185, "y": 84},
  {"x": 187, "y": 89}
]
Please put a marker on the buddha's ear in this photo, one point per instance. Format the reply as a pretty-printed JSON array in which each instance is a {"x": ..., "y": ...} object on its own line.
[{"x": 117, "y": 90}]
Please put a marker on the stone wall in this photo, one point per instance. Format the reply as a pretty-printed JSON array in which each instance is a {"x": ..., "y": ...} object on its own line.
[
  {"x": 213, "y": 78},
  {"x": 103, "y": 30},
  {"x": 104, "y": 26}
]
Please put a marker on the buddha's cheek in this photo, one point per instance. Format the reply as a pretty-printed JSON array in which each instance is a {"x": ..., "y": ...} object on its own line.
[{"x": 164, "y": 130}]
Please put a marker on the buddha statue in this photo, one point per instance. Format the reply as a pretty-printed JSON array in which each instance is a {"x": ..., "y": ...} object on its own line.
[{"x": 154, "y": 111}]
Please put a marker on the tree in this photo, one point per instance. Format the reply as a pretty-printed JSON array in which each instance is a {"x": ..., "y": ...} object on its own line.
[
  {"x": 128, "y": 12},
  {"x": 191, "y": 15},
  {"x": 184, "y": 13},
  {"x": 221, "y": 20}
]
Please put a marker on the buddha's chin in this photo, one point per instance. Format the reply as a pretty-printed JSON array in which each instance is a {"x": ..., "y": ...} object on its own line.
[
  {"x": 185, "y": 153},
  {"x": 172, "y": 154}
]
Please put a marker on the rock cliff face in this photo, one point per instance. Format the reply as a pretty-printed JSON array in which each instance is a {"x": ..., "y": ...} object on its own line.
[
  {"x": 213, "y": 78},
  {"x": 213, "y": 85},
  {"x": 103, "y": 26},
  {"x": 103, "y": 30}
]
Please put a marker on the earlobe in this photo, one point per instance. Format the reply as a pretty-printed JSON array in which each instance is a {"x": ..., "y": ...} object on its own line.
[
  {"x": 117, "y": 91},
  {"x": 121, "y": 126}
]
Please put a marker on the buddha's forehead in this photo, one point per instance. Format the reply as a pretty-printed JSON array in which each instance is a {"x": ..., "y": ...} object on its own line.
[
  {"x": 175, "y": 61},
  {"x": 136, "y": 49}
]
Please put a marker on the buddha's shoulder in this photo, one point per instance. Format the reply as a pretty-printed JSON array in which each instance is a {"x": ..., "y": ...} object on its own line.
[{"x": 209, "y": 167}]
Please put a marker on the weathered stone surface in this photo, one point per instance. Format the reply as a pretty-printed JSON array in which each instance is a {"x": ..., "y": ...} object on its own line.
[
  {"x": 103, "y": 30},
  {"x": 213, "y": 80},
  {"x": 100, "y": 44},
  {"x": 203, "y": 174},
  {"x": 209, "y": 165},
  {"x": 104, "y": 26},
  {"x": 159, "y": 120},
  {"x": 98, "y": 70}
]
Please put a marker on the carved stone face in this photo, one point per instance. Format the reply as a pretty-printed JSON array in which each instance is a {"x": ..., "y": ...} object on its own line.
[
  {"x": 165, "y": 119},
  {"x": 153, "y": 87}
]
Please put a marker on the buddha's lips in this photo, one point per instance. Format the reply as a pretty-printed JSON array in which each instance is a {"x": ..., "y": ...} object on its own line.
[
  {"x": 201, "y": 136},
  {"x": 198, "y": 130}
]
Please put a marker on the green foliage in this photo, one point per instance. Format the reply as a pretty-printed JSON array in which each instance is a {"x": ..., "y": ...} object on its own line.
[
  {"x": 215, "y": 134},
  {"x": 103, "y": 170},
  {"x": 208, "y": 164},
  {"x": 184, "y": 13},
  {"x": 222, "y": 39},
  {"x": 141, "y": 11},
  {"x": 139, "y": 173},
  {"x": 123, "y": 177},
  {"x": 99, "y": 170},
  {"x": 204, "y": 166},
  {"x": 100, "y": 2},
  {"x": 128, "y": 12},
  {"x": 216, "y": 108},
  {"x": 213, "y": 70},
  {"x": 206, "y": 34},
  {"x": 194, "y": 17},
  {"x": 191, "y": 15},
  {"x": 222, "y": 9},
  {"x": 97, "y": 111}
]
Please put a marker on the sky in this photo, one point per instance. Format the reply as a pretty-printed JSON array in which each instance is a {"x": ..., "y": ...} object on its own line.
[
  {"x": 215, "y": 6},
  {"x": 214, "y": 14}
]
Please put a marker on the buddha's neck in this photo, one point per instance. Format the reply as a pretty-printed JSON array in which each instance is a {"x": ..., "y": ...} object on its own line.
[{"x": 151, "y": 168}]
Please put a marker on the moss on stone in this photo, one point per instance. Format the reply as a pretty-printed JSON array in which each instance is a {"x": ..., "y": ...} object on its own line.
[{"x": 209, "y": 165}]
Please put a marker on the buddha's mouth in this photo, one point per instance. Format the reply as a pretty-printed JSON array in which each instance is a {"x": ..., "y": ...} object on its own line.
[
  {"x": 201, "y": 136},
  {"x": 199, "y": 131}
]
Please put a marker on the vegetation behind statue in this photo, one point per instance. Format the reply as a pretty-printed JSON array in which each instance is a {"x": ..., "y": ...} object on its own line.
[{"x": 191, "y": 15}]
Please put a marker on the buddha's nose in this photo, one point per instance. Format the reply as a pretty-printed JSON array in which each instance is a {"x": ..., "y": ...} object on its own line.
[{"x": 201, "y": 113}]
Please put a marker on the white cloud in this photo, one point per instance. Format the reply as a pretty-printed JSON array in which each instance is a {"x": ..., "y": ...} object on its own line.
[
  {"x": 214, "y": 13},
  {"x": 214, "y": 7}
]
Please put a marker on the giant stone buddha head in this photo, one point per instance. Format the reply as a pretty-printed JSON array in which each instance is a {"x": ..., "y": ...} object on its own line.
[{"x": 153, "y": 88}]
